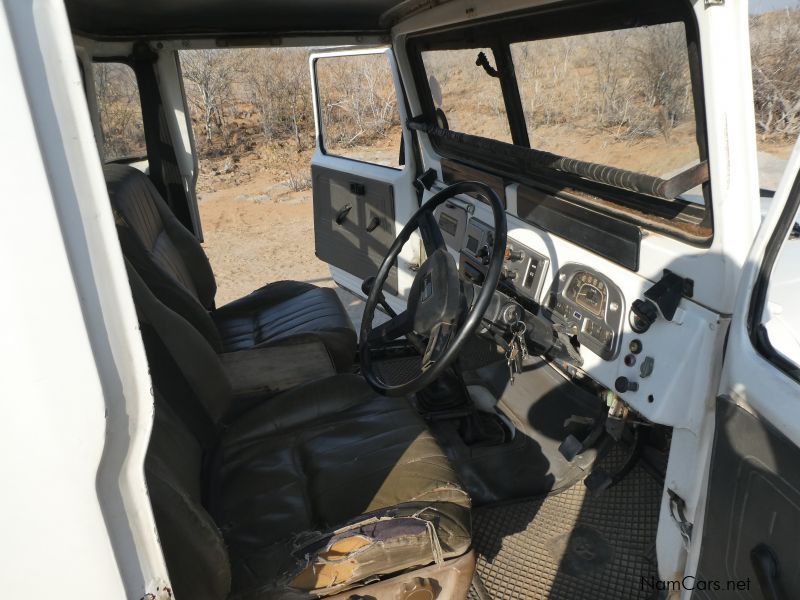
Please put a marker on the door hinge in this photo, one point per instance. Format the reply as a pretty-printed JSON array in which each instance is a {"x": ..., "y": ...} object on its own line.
[{"x": 677, "y": 510}]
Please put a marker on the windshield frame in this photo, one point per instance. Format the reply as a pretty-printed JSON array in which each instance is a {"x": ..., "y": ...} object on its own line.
[{"x": 687, "y": 221}]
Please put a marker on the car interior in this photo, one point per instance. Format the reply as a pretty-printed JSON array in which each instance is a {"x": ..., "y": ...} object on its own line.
[{"x": 510, "y": 428}]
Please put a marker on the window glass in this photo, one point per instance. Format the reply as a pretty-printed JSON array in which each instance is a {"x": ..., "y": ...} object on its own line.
[
  {"x": 620, "y": 98},
  {"x": 120, "y": 111},
  {"x": 782, "y": 310},
  {"x": 775, "y": 54},
  {"x": 358, "y": 108},
  {"x": 469, "y": 99}
]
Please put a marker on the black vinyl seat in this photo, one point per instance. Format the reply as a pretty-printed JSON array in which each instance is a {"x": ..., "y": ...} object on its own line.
[
  {"x": 323, "y": 489},
  {"x": 174, "y": 266}
]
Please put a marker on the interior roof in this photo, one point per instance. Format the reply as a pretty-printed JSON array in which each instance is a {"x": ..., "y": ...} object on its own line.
[{"x": 181, "y": 18}]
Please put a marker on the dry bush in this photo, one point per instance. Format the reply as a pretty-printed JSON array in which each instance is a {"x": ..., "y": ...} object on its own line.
[
  {"x": 120, "y": 110},
  {"x": 277, "y": 83},
  {"x": 209, "y": 77},
  {"x": 358, "y": 101},
  {"x": 775, "y": 50}
]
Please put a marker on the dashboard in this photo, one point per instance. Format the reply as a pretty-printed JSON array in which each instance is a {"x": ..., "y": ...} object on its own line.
[
  {"x": 595, "y": 316},
  {"x": 581, "y": 302}
]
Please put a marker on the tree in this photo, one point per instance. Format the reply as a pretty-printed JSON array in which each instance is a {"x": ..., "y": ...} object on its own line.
[{"x": 210, "y": 74}]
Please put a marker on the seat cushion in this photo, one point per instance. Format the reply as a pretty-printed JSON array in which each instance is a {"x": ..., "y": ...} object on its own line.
[
  {"x": 288, "y": 309},
  {"x": 340, "y": 490}
]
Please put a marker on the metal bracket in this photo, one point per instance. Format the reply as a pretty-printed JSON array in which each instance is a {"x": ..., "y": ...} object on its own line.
[{"x": 714, "y": 3}]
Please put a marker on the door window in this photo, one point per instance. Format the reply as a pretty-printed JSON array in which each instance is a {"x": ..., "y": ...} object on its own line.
[
  {"x": 120, "y": 111},
  {"x": 358, "y": 108}
]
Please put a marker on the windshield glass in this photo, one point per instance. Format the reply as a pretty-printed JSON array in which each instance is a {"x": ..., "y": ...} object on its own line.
[
  {"x": 575, "y": 104},
  {"x": 621, "y": 98},
  {"x": 470, "y": 100}
]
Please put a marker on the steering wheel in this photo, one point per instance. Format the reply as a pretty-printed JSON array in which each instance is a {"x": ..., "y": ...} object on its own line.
[{"x": 438, "y": 308}]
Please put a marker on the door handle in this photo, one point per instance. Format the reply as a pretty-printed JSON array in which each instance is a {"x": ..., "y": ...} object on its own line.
[
  {"x": 342, "y": 214},
  {"x": 374, "y": 222},
  {"x": 765, "y": 564}
]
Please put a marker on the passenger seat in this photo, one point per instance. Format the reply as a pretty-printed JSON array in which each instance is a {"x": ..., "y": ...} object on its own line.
[{"x": 172, "y": 263}]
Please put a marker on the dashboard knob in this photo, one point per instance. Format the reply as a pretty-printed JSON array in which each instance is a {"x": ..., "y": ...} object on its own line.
[
  {"x": 513, "y": 255},
  {"x": 509, "y": 274},
  {"x": 622, "y": 385},
  {"x": 483, "y": 254},
  {"x": 643, "y": 314}
]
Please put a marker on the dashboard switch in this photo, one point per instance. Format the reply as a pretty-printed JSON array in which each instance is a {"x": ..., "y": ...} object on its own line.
[
  {"x": 635, "y": 346},
  {"x": 647, "y": 367},
  {"x": 622, "y": 385},
  {"x": 630, "y": 360},
  {"x": 509, "y": 274}
]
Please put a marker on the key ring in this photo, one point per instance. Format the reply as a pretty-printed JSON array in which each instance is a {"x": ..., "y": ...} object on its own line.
[{"x": 519, "y": 328}]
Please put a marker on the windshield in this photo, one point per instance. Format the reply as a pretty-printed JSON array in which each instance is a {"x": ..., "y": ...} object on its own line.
[{"x": 576, "y": 104}]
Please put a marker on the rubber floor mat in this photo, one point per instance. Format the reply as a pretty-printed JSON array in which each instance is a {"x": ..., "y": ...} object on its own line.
[
  {"x": 397, "y": 371},
  {"x": 573, "y": 545}
]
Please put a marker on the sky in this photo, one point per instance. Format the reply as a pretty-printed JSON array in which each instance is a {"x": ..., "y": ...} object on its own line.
[{"x": 762, "y": 6}]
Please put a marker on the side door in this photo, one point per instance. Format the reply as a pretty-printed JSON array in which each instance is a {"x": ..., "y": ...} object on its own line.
[
  {"x": 750, "y": 544},
  {"x": 363, "y": 168}
]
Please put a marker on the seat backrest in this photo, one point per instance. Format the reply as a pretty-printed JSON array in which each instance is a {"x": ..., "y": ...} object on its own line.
[
  {"x": 192, "y": 393},
  {"x": 167, "y": 256}
]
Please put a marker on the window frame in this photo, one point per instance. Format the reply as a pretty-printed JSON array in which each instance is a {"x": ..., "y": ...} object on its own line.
[
  {"x": 378, "y": 51},
  {"x": 649, "y": 212},
  {"x": 757, "y": 331}
]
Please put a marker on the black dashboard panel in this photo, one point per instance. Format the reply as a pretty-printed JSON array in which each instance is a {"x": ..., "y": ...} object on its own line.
[
  {"x": 590, "y": 306},
  {"x": 453, "y": 172},
  {"x": 611, "y": 238}
]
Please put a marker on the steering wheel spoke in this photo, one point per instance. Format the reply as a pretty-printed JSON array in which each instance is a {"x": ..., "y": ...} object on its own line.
[
  {"x": 397, "y": 326},
  {"x": 432, "y": 237},
  {"x": 437, "y": 344}
]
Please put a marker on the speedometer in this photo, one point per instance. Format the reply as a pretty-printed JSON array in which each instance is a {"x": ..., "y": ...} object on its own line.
[{"x": 588, "y": 292}]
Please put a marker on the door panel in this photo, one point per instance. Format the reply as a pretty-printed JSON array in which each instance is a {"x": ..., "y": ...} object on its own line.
[
  {"x": 353, "y": 222},
  {"x": 754, "y": 499}
]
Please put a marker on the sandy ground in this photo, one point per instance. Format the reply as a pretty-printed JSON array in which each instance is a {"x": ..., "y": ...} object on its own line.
[{"x": 258, "y": 233}]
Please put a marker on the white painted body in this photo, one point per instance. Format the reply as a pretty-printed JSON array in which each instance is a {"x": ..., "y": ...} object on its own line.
[{"x": 76, "y": 392}]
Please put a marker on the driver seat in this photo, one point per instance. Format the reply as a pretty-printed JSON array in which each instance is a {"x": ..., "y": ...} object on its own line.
[
  {"x": 327, "y": 490},
  {"x": 174, "y": 266}
]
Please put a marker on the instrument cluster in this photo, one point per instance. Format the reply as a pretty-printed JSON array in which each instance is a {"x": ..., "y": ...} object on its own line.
[{"x": 589, "y": 306}]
